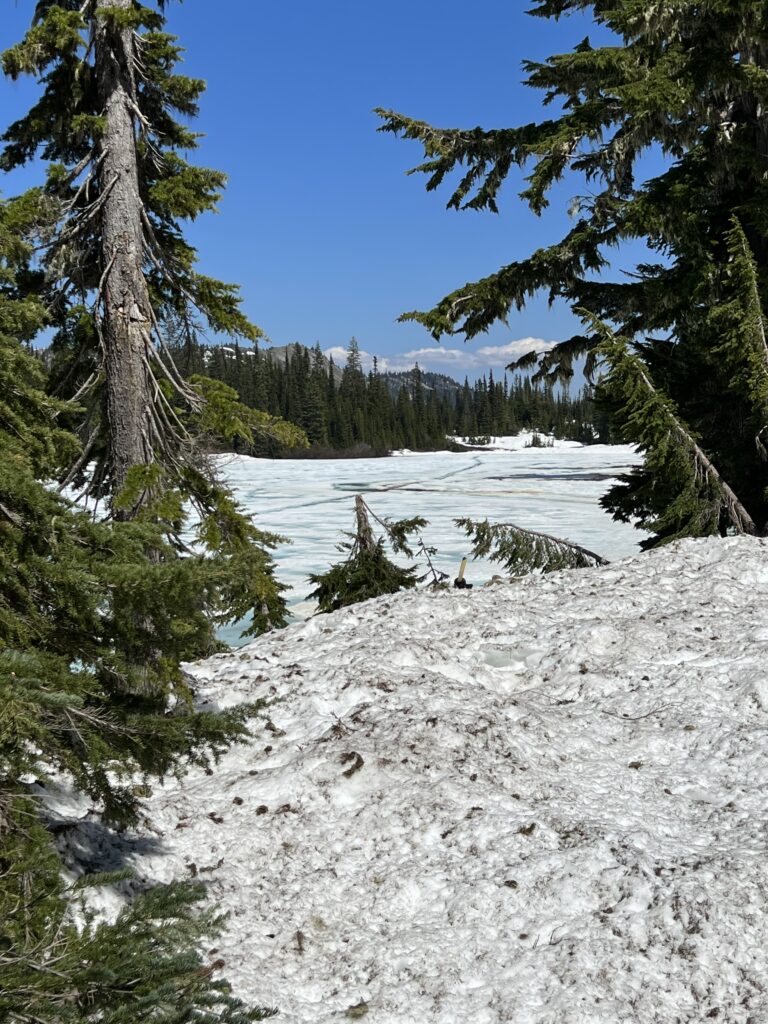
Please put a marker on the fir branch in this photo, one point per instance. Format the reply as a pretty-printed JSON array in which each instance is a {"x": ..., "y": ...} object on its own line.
[
  {"x": 750, "y": 361},
  {"x": 654, "y": 420},
  {"x": 688, "y": 80},
  {"x": 522, "y": 550}
]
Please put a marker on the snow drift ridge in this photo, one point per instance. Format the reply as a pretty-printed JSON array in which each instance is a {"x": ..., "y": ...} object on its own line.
[{"x": 540, "y": 802}]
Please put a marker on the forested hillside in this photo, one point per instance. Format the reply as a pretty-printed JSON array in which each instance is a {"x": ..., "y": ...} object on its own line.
[{"x": 343, "y": 408}]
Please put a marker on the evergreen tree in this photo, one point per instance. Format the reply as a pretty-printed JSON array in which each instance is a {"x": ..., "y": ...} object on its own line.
[
  {"x": 116, "y": 266},
  {"x": 352, "y": 405},
  {"x": 688, "y": 79},
  {"x": 114, "y": 269},
  {"x": 367, "y": 571},
  {"x": 86, "y": 692},
  {"x": 97, "y": 616},
  {"x": 680, "y": 492},
  {"x": 119, "y": 283}
]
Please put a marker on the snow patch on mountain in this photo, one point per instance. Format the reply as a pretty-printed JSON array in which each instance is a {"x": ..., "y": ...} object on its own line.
[{"x": 541, "y": 802}]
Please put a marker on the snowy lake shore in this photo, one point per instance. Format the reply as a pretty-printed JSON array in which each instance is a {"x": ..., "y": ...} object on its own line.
[
  {"x": 540, "y": 802},
  {"x": 555, "y": 490}
]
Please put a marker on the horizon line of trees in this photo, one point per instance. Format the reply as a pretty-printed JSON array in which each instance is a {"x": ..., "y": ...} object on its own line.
[{"x": 341, "y": 409}]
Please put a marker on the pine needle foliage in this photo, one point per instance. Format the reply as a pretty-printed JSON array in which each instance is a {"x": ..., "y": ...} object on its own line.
[
  {"x": 523, "y": 551},
  {"x": 85, "y": 687},
  {"x": 739, "y": 323},
  {"x": 100, "y": 249},
  {"x": 92, "y": 634},
  {"x": 143, "y": 967},
  {"x": 688, "y": 81},
  {"x": 97, "y": 615},
  {"x": 111, "y": 262},
  {"x": 367, "y": 571},
  {"x": 690, "y": 496}
]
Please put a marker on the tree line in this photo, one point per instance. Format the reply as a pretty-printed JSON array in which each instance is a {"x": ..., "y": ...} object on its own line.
[{"x": 339, "y": 409}]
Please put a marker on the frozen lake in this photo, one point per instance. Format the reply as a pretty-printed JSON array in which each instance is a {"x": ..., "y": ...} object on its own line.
[{"x": 555, "y": 490}]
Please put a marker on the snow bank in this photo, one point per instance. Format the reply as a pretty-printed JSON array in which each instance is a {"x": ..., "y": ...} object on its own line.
[
  {"x": 535, "y": 803},
  {"x": 524, "y": 439}
]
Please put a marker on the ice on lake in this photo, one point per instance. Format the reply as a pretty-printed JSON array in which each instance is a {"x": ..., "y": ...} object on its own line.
[{"x": 555, "y": 490}]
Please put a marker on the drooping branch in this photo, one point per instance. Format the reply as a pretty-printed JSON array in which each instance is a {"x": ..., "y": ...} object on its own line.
[
  {"x": 655, "y": 417},
  {"x": 752, "y": 324},
  {"x": 523, "y": 551},
  {"x": 108, "y": 220}
]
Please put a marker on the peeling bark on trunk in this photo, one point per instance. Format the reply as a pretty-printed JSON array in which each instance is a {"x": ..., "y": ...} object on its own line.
[{"x": 127, "y": 316}]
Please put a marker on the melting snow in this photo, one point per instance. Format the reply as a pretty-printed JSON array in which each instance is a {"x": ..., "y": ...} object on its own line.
[
  {"x": 556, "y": 490},
  {"x": 539, "y": 802}
]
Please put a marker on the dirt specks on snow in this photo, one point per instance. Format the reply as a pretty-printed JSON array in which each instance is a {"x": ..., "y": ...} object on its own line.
[{"x": 542, "y": 803}]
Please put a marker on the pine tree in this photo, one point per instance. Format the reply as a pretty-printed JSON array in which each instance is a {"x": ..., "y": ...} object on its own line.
[
  {"x": 367, "y": 571},
  {"x": 85, "y": 692},
  {"x": 114, "y": 268},
  {"x": 97, "y": 616},
  {"x": 120, "y": 286},
  {"x": 351, "y": 397},
  {"x": 688, "y": 79}
]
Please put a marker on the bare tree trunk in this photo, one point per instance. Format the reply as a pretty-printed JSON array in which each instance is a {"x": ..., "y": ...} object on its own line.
[
  {"x": 127, "y": 315},
  {"x": 364, "y": 533}
]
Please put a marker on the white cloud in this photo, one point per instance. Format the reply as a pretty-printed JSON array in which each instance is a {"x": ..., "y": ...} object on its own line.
[
  {"x": 337, "y": 353},
  {"x": 477, "y": 359},
  {"x": 514, "y": 349},
  {"x": 449, "y": 356},
  {"x": 465, "y": 360}
]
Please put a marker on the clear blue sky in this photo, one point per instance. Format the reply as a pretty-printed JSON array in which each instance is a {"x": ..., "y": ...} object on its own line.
[{"x": 319, "y": 225}]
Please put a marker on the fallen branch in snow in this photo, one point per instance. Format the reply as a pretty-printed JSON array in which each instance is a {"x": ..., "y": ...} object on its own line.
[
  {"x": 367, "y": 571},
  {"x": 524, "y": 550}
]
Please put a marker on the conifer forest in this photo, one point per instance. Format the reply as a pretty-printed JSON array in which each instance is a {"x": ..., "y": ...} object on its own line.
[
  {"x": 339, "y": 409},
  {"x": 126, "y": 369}
]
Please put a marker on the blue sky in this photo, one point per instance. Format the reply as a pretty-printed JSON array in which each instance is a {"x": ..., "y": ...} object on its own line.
[{"x": 319, "y": 225}]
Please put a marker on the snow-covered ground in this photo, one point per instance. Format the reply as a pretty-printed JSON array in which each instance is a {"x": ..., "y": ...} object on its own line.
[
  {"x": 556, "y": 490},
  {"x": 541, "y": 802}
]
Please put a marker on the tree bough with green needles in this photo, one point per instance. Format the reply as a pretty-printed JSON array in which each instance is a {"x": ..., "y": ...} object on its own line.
[
  {"x": 523, "y": 551},
  {"x": 97, "y": 616},
  {"x": 92, "y": 634},
  {"x": 689, "y": 81},
  {"x": 367, "y": 571},
  {"x": 112, "y": 265}
]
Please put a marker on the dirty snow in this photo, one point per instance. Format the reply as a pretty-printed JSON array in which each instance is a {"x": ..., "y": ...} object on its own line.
[{"x": 541, "y": 802}]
